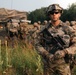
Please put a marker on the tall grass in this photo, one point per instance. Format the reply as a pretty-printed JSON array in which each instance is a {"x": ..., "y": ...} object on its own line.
[{"x": 22, "y": 59}]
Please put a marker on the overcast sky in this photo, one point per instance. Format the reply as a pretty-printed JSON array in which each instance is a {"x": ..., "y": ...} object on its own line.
[{"x": 30, "y": 5}]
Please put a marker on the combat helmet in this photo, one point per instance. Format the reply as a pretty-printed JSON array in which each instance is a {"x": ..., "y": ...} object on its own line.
[
  {"x": 53, "y": 7},
  {"x": 36, "y": 25}
]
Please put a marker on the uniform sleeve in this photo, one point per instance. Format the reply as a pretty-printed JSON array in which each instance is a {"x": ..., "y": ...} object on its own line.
[
  {"x": 72, "y": 48},
  {"x": 41, "y": 50}
]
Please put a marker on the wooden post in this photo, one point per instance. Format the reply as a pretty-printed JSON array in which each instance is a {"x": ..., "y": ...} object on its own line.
[
  {"x": 0, "y": 50},
  {"x": 1, "y": 62},
  {"x": 6, "y": 53}
]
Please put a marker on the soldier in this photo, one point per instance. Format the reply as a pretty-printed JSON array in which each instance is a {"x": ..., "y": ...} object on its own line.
[
  {"x": 67, "y": 22},
  {"x": 13, "y": 30},
  {"x": 39, "y": 22},
  {"x": 45, "y": 22},
  {"x": 33, "y": 32},
  {"x": 73, "y": 24},
  {"x": 36, "y": 26},
  {"x": 56, "y": 61}
]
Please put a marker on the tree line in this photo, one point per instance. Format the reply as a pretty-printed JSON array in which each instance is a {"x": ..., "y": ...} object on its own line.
[{"x": 40, "y": 14}]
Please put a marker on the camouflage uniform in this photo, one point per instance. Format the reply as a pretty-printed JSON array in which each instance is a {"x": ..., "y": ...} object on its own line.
[
  {"x": 73, "y": 24},
  {"x": 34, "y": 31},
  {"x": 57, "y": 66},
  {"x": 14, "y": 27},
  {"x": 45, "y": 22}
]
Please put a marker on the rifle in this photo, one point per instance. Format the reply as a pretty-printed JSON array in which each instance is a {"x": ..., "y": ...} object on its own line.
[
  {"x": 57, "y": 41},
  {"x": 59, "y": 44}
]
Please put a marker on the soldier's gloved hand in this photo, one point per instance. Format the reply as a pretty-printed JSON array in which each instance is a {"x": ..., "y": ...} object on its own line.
[
  {"x": 50, "y": 57},
  {"x": 59, "y": 54}
]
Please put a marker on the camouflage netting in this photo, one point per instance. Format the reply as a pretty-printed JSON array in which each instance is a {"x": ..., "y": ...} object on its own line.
[{"x": 6, "y": 14}]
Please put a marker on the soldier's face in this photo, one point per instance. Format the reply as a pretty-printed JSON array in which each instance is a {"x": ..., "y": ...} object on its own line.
[{"x": 55, "y": 15}]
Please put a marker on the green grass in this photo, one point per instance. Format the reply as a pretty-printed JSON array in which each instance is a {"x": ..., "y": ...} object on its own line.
[{"x": 22, "y": 59}]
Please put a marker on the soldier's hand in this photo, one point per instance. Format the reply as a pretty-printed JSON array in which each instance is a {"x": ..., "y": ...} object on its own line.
[
  {"x": 50, "y": 57},
  {"x": 59, "y": 54}
]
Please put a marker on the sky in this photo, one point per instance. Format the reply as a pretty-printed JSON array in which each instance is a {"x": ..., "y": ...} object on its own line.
[{"x": 31, "y": 5}]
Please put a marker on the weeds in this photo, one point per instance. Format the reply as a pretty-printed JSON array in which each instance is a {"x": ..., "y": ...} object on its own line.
[{"x": 22, "y": 59}]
